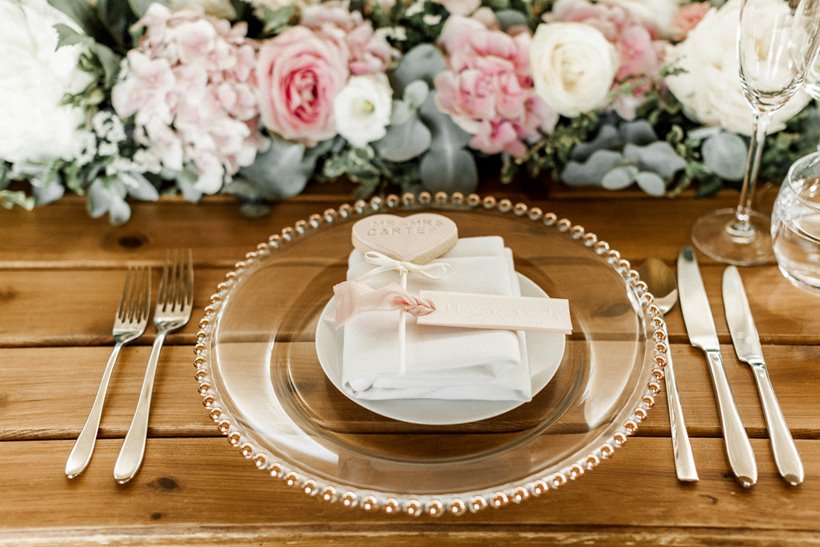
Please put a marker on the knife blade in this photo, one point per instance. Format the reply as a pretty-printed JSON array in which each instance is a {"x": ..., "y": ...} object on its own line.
[
  {"x": 697, "y": 316},
  {"x": 748, "y": 350}
]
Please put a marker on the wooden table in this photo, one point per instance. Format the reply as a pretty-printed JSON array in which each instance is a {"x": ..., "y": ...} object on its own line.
[{"x": 60, "y": 278}]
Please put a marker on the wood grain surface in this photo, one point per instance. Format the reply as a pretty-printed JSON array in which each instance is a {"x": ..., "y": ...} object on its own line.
[{"x": 61, "y": 274}]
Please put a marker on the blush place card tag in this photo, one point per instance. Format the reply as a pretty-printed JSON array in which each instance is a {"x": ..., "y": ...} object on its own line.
[{"x": 486, "y": 311}]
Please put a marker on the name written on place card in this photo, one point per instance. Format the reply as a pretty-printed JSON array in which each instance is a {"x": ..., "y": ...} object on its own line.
[{"x": 484, "y": 311}]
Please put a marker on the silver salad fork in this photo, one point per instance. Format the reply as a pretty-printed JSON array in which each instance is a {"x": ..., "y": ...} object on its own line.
[
  {"x": 175, "y": 300},
  {"x": 129, "y": 324}
]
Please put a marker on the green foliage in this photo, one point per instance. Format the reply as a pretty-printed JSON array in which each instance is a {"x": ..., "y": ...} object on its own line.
[
  {"x": 413, "y": 23},
  {"x": 552, "y": 152}
]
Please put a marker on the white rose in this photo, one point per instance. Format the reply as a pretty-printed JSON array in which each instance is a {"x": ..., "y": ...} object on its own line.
[
  {"x": 362, "y": 109},
  {"x": 573, "y": 66},
  {"x": 33, "y": 80},
  {"x": 709, "y": 89},
  {"x": 217, "y": 8},
  {"x": 660, "y": 13}
]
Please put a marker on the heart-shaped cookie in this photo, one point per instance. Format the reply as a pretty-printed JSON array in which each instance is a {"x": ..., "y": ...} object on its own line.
[{"x": 416, "y": 238}]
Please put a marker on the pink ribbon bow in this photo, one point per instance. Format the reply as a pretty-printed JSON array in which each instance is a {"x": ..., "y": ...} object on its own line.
[{"x": 354, "y": 297}]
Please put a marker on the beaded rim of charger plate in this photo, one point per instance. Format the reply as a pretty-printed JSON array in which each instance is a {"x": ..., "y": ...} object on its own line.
[{"x": 430, "y": 505}]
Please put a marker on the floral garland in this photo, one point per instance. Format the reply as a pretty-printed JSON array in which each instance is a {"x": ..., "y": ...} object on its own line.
[{"x": 115, "y": 99}]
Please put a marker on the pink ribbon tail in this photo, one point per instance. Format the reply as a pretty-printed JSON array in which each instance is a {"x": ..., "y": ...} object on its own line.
[{"x": 354, "y": 297}]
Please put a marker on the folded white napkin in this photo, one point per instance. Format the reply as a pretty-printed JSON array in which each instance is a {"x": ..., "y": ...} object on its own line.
[{"x": 441, "y": 362}]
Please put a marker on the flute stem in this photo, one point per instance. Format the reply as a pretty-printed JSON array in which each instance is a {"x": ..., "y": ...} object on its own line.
[{"x": 740, "y": 229}]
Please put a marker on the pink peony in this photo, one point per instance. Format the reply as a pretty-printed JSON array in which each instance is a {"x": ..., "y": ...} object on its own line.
[
  {"x": 189, "y": 84},
  {"x": 370, "y": 52},
  {"x": 487, "y": 88},
  {"x": 687, "y": 18},
  {"x": 299, "y": 73}
]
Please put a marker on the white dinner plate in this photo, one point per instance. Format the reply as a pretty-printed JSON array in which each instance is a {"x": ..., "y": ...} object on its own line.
[{"x": 545, "y": 351}]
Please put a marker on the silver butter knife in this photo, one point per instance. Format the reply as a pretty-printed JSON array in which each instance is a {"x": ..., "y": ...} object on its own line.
[
  {"x": 747, "y": 346},
  {"x": 702, "y": 334}
]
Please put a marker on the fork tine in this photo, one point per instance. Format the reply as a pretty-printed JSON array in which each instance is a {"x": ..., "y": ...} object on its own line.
[
  {"x": 133, "y": 305},
  {"x": 162, "y": 292},
  {"x": 122, "y": 310},
  {"x": 139, "y": 297},
  {"x": 173, "y": 295},
  {"x": 190, "y": 280},
  {"x": 145, "y": 308}
]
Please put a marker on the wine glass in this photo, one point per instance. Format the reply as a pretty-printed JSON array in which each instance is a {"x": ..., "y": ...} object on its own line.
[
  {"x": 777, "y": 40},
  {"x": 796, "y": 224}
]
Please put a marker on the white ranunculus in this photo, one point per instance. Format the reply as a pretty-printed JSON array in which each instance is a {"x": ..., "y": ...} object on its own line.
[
  {"x": 573, "y": 66},
  {"x": 217, "y": 8},
  {"x": 660, "y": 13},
  {"x": 34, "y": 78},
  {"x": 709, "y": 89},
  {"x": 362, "y": 109}
]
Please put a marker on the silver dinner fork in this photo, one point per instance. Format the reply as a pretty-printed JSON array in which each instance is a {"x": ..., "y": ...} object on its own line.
[
  {"x": 175, "y": 300},
  {"x": 129, "y": 324}
]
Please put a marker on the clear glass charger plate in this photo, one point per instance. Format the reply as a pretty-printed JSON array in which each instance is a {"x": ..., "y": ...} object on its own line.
[{"x": 263, "y": 385}]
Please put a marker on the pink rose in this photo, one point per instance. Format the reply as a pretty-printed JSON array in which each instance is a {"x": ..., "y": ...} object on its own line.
[
  {"x": 299, "y": 73},
  {"x": 370, "y": 52},
  {"x": 687, "y": 18},
  {"x": 487, "y": 89}
]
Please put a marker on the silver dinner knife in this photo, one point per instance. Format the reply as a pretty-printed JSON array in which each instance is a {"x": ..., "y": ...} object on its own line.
[
  {"x": 747, "y": 346},
  {"x": 702, "y": 334}
]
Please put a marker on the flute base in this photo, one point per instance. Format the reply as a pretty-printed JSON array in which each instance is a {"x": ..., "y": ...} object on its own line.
[{"x": 716, "y": 236}]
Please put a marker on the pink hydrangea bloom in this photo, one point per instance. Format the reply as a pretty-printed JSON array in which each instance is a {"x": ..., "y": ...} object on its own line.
[
  {"x": 370, "y": 52},
  {"x": 636, "y": 43},
  {"x": 300, "y": 72},
  {"x": 190, "y": 85},
  {"x": 487, "y": 88}
]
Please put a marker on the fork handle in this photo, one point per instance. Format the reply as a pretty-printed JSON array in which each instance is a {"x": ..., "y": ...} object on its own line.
[
  {"x": 80, "y": 454},
  {"x": 133, "y": 448},
  {"x": 684, "y": 459}
]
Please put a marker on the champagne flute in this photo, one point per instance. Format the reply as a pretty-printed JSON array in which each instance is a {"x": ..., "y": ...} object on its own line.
[{"x": 776, "y": 42}]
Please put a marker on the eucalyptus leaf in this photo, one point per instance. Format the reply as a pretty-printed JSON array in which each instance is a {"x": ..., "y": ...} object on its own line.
[
  {"x": 422, "y": 62},
  {"x": 651, "y": 183},
  {"x": 110, "y": 63},
  {"x": 449, "y": 171},
  {"x": 639, "y": 132},
  {"x": 401, "y": 113},
  {"x": 725, "y": 155},
  {"x": 658, "y": 157},
  {"x": 592, "y": 171},
  {"x": 48, "y": 192},
  {"x": 608, "y": 138},
  {"x": 446, "y": 134},
  {"x": 511, "y": 18},
  {"x": 186, "y": 181},
  {"x": 282, "y": 171},
  {"x": 67, "y": 36},
  {"x": 120, "y": 211},
  {"x": 416, "y": 93},
  {"x": 620, "y": 177},
  {"x": 82, "y": 13},
  {"x": 139, "y": 187},
  {"x": 404, "y": 142},
  {"x": 702, "y": 133}
]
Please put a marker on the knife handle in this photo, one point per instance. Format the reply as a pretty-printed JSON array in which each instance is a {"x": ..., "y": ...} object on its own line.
[
  {"x": 738, "y": 447},
  {"x": 684, "y": 459},
  {"x": 785, "y": 452}
]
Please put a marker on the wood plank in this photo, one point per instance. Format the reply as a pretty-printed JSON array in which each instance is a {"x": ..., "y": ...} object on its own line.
[
  {"x": 405, "y": 535},
  {"x": 219, "y": 235},
  {"x": 47, "y": 392},
  {"x": 187, "y": 482},
  {"x": 76, "y": 307}
]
